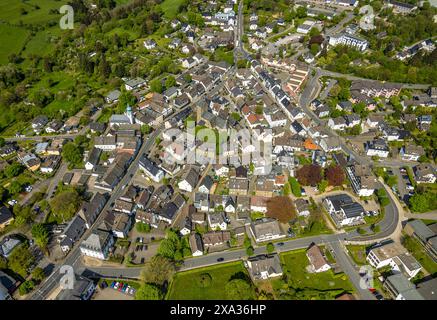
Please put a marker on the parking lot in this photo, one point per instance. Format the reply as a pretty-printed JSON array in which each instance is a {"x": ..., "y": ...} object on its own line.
[{"x": 111, "y": 294}]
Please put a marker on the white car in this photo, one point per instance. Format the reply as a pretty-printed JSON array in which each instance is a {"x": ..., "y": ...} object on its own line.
[
  {"x": 12, "y": 202},
  {"x": 116, "y": 285},
  {"x": 409, "y": 187}
]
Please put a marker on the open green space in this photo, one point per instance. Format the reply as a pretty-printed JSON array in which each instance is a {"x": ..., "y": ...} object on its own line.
[
  {"x": 30, "y": 11},
  {"x": 12, "y": 40},
  {"x": 188, "y": 285},
  {"x": 358, "y": 253},
  {"x": 418, "y": 251},
  {"x": 170, "y": 7}
]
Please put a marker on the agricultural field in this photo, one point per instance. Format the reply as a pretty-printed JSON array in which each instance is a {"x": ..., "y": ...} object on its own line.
[
  {"x": 15, "y": 37},
  {"x": 170, "y": 7},
  {"x": 204, "y": 283},
  {"x": 29, "y": 11}
]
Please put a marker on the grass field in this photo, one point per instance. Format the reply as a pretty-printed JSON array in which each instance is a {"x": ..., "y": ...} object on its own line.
[
  {"x": 358, "y": 253},
  {"x": 12, "y": 40},
  {"x": 311, "y": 285},
  {"x": 40, "y": 44},
  {"x": 418, "y": 251},
  {"x": 170, "y": 8},
  {"x": 11, "y": 10},
  {"x": 185, "y": 285}
]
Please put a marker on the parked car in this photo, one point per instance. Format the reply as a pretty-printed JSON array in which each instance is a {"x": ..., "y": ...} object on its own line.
[
  {"x": 132, "y": 291},
  {"x": 280, "y": 244},
  {"x": 220, "y": 259},
  {"x": 124, "y": 287},
  {"x": 117, "y": 284},
  {"x": 112, "y": 284},
  {"x": 120, "y": 287}
]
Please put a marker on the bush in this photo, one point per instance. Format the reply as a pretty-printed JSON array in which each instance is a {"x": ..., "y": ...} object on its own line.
[
  {"x": 270, "y": 247},
  {"x": 26, "y": 287},
  {"x": 204, "y": 280}
]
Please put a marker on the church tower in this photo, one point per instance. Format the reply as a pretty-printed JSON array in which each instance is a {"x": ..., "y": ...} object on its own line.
[{"x": 129, "y": 114}]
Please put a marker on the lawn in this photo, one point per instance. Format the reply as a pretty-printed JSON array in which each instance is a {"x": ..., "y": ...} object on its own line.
[
  {"x": 40, "y": 44},
  {"x": 185, "y": 285},
  {"x": 358, "y": 253},
  {"x": 170, "y": 8},
  {"x": 418, "y": 251},
  {"x": 12, "y": 39},
  {"x": 310, "y": 285},
  {"x": 37, "y": 11}
]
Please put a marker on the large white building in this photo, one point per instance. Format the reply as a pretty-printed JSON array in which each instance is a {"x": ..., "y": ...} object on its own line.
[
  {"x": 348, "y": 40},
  {"x": 396, "y": 256}
]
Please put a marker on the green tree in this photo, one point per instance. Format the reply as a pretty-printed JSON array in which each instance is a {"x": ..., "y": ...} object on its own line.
[
  {"x": 13, "y": 170},
  {"x": 270, "y": 247},
  {"x": 72, "y": 154},
  {"x": 250, "y": 251},
  {"x": 38, "y": 274},
  {"x": 26, "y": 287},
  {"x": 167, "y": 249},
  {"x": 156, "y": 86},
  {"x": 322, "y": 185},
  {"x": 15, "y": 187},
  {"x": 148, "y": 292},
  {"x": 40, "y": 235},
  {"x": 158, "y": 271},
  {"x": 65, "y": 204},
  {"x": 295, "y": 187},
  {"x": 239, "y": 289},
  {"x": 20, "y": 260},
  {"x": 170, "y": 82}
]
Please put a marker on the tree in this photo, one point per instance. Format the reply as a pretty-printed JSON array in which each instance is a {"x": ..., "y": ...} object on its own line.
[
  {"x": 250, "y": 251},
  {"x": 309, "y": 174},
  {"x": 26, "y": 287},
  {"x": 20, "y": 260},
  {"x": 15, "y": 187},
  {"x": 335, "y": 175},
  {"x": 391, "y": 180},
  {"x": 322, "y": 185},
  {"x": 295, "y": 187},
  {"x": 270, "y": 247},
  {"x": 158, "y": 271},
  {"x": 3, "y": 263},
  {"x": 72, "y": 153},
  {"x": 281, "y": 208},
  {"x": 13, "y": 170},
  {"x": 40, "y": 234},
  {"x": 156, "y": 86},
  {"x": 314, "y": 48},
  {"x": 65, "y": 204},
  {"x": 2, "y": 141},
  {"x": 38, "y": 274},
  {"x": 167, "y": 249},
  {"x": 422, "y": 202},
  {"x": 170, "y": 82},
  {"x": 239, "y": 289},
  {"x": 148, "y": 292}
]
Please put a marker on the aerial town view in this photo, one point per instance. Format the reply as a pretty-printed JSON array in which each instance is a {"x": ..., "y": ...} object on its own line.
[{"x": 218, "y": 150}]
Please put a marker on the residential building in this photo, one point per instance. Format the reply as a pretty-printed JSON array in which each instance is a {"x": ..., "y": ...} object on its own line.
[
  {"x": 411, "y": 152},
  {"x": 344, "y": 210},
  {"x": 83, "y": 289},
  {"x": 424, "y": 173},
  {"x": 266, "y": 229},
  {"x": 394, "y": 255},
  {"x": 265, "y": 266},
  {"x": 6, "y": 217},
  {"x": 150, "y": 169},
  {"x": 401, "y": 289},
  {"x": 346, "y": 39},
  {"x": 189, "y": 180},
  {"x": 215, "y": 238},
  {"x": 377, "y": 147},
  {"x": 196, "y": 245},
  {"x": 317, "y": 259},
  {"x": 99, "y": 243},
  {"x": 217, "y": 220},
  {"x": 362, "y": 180}
]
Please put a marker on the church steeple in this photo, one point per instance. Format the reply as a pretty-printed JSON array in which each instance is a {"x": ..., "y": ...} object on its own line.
[{"x": 129, "y": 114}]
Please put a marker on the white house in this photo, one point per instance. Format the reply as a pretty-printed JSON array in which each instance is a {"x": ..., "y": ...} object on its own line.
[
  {"x": 150, "y": 169},
  {"x": 189, "y": 180},
  {"x": 377, "y": 147},
  {"x": 98, "y": 244},
  {"x": 317, "y": 259},
  {"x": 217, "y": 220}
]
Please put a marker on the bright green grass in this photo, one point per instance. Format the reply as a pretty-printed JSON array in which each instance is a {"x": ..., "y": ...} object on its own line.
[
  {"x": 40, "y": 44},
  {"x": 358, "y": 253},
  {"x": 418, "y": 251},
  {"x": 297, "y": 261},
  {"x": 10, "y": 10},
  {"x": 186, "y": 286},
  {"x": 12, "y": 40},
  {"x": 170, "y": 8}
]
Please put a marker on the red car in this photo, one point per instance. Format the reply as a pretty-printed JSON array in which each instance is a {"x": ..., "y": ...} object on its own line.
[{"x": 120, "y": 287}]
